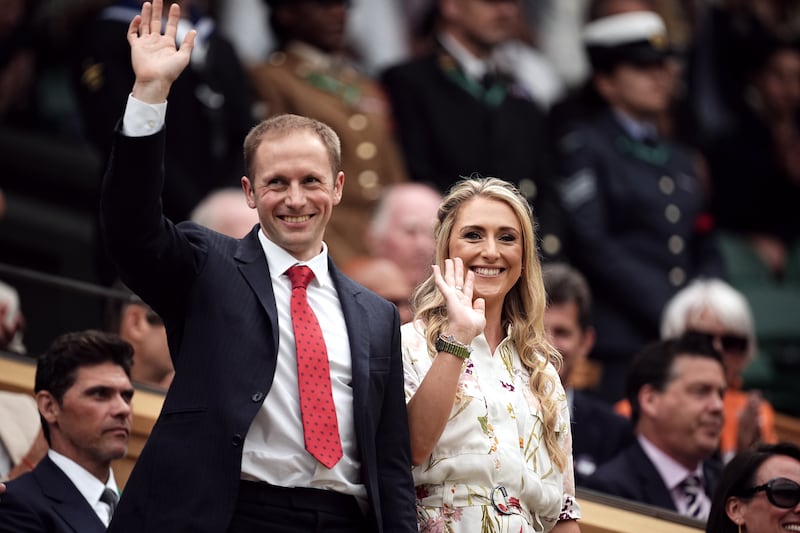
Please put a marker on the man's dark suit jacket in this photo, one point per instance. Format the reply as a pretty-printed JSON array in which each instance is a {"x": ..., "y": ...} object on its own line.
[
  {"x": 598, "y": 433},
  {"x": 448, "y": 130},
  {"x": 215, "y": 296},
  {"x": 46, "y": 500},
  {"x": 632, "y": 475}
]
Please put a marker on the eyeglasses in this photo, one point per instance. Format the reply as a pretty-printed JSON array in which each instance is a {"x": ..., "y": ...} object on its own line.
[
  {"x": 728, "y": 342},
  {"x": 781, "y": 492}
]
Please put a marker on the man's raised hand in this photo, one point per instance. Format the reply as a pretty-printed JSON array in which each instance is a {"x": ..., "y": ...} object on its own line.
[{"x": 156, "y": 60}]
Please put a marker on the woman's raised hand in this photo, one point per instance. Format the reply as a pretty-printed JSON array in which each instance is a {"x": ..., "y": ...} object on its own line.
[{"x": 466, "y": 317}]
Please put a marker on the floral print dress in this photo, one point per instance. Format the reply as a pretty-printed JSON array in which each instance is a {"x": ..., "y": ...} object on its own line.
[{"x": 490, "y": 471}]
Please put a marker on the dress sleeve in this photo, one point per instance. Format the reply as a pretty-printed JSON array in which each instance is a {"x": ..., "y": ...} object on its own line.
[{"x": 570, "y": 509}]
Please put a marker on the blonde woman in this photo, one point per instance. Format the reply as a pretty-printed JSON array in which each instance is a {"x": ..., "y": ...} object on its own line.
[{"x": 488, "y": 417}]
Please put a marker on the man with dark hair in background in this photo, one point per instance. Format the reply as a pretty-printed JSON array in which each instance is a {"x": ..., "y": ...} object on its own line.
[{"x": 84, "y": 393}]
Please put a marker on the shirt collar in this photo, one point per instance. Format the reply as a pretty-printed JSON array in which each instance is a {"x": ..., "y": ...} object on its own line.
[
  {"x": 279, "y": 261},
  {"x": 672, "y": 472},
  {"x": 637, "y": 129},
  {"x": 472, "y": 66},
  {"x": 89, "y": 486}
]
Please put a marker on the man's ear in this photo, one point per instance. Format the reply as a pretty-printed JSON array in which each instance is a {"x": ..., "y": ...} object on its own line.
[
  {"x": 338, "y": 188},
  {"x": 648, "y": 400},
  {"x": 133, "y": 322},
  {"x": 249, "y": 193},
  {"x": 49, "y": 408}
]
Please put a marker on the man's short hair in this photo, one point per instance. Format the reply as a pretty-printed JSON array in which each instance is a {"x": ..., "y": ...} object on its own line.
[
  {"x": 57, "y": 368},
  {"x": 564, "y": 284},
  {"x": 653, "y": 364}
]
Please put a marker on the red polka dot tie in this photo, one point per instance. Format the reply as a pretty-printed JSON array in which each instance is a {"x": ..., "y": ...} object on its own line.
[{"x": 320, "y": 427}]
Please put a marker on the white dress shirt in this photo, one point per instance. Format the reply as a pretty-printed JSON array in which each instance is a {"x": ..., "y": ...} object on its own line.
[
  {"x": 89, "y": 486},
  {"x": 672, "y": 474}
]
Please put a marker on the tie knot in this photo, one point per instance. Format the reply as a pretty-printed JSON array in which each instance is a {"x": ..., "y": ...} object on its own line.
[
  {"x": 110, "y": 498},
  {"x": 300, "y": 276},
  {"x": 692, "y": 482}
]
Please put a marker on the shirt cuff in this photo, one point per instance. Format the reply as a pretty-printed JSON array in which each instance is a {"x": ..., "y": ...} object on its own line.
[{"x": 142, "y": 119}]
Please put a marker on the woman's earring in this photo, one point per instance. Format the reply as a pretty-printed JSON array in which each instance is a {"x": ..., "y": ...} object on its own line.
[{"x": 740, "y": 527}]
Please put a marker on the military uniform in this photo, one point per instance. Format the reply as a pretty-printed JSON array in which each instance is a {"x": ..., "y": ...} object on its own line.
[
  {"x": 639, "y": 229},
  {"x": 305, "y": 81},
  {"x": 451, "y": 126}
]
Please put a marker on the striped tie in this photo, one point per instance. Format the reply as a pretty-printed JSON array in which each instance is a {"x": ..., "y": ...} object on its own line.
[{"x": 695, "y": 497}]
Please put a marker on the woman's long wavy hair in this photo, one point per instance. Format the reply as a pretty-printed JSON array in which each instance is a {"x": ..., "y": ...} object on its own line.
[{"x": 523, "y": 307}]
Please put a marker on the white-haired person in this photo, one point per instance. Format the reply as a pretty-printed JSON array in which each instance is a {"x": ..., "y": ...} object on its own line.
[{"x": 713, "y": 307}]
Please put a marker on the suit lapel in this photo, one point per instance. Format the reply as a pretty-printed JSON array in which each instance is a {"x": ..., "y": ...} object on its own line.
[
  {"x": 253, "y": 266},
  {"x": 354, "y": 314},
  {"x": 66, "y": 500},
  {"x": 653, "y": 487}
]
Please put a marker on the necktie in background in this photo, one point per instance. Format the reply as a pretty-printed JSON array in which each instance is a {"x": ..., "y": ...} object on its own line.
[
  {"x": 695, "y": 497},
  {"x": 320, "y": 427},
  {"x": 110, "y": 498}
]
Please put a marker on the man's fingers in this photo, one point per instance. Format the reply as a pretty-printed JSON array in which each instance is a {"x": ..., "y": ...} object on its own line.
[
  {"x": 133, "y": 28},
  {"x": 146, "y": 18},
  {"x": 155, "y": 17}
]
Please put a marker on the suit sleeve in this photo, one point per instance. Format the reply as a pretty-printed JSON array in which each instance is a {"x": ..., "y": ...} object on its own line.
[
  {"x": 152, "y": 256},
  {"x": 393, "y": 448}
]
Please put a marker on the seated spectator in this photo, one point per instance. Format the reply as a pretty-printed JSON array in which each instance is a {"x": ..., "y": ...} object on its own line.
[
  {"x": 310, "y": 74},
  {"x": 401, "y": 229},
  {"x": 385, "y": 278},
  {"x": 136, "y": 323},
  {"x": 598, "y": 433},
  {"x": 712, "y": 307},
  {"x": 83, "y": 392},
  {"x": 226, "y": 211},
  {"x": 758, "y": 492},
  {"x": 12, "y": 322},
  {"x": 22, "y": 443},
  {"x": 634, "y": 202},
  {"x": 675, "y": 388}
]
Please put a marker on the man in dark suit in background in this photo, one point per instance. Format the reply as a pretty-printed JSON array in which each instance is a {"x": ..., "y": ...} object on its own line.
[
  {"x": 675, "y": 388},
  {"x": 598, "y": 433},
  {"x": 230, "y": 450},
  {"x": 458, "y": 112},
  {"x": 83, "y": 392}
]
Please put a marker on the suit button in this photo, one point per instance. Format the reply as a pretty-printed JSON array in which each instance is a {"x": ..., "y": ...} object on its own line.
[
  {"x": 672, "y": 213},
  {"x": 257, "y": 397},
  {"x": 677, "y": 276},
  {"x": 676, "y": 244},
  {"x": 666, "y": 184},
  {"x": 237, "y": 440}
]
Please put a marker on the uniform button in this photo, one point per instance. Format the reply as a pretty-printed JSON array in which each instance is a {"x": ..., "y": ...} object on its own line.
[
  {"x": 672, "y": 213},
  {"x": 666, "y": 184},
  {"x": 676, "y": 244},
  {"x": 257, "y": 396},
  {"x": 677, "y": 276},
  {"x": 357, "y": 122},
  {"x": 551, "y": 244},
  {"x": 277, "y": 59},
  {"x": 368, "y": 179},
  {"x": 366, "y": 150},
  {"x": 237, "y": 440},
  {"x": 528, "y": 188}
]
